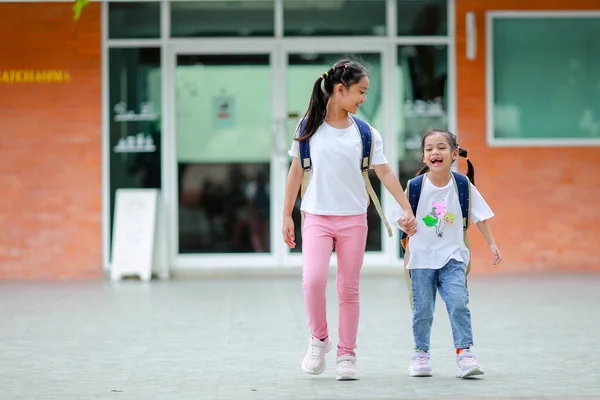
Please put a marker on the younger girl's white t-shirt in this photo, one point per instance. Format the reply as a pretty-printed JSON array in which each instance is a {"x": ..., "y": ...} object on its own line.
[
  {"x": 336, "y": 185},
  {"x": 439, "y": 237}
]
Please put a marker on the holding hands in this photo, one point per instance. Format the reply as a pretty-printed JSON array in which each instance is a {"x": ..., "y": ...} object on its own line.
[{"x": 408, "y": 223}]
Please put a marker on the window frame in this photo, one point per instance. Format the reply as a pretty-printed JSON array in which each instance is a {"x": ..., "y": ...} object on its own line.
[{"x": 492, "y": 140}]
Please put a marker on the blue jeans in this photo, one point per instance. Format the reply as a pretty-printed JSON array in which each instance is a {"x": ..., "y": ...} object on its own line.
[{"x": 451, "y": 281}]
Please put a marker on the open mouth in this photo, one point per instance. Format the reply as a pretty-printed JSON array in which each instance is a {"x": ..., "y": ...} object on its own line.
[{"x": 436, "y": 161}]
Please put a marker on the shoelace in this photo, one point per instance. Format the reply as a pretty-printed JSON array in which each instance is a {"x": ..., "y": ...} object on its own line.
[
  {"x": 315, "y": 351},
  {"x": 421, "y": 360},
  {"x": 346, "y": 363},
  {"x": 467, "y": 359}
]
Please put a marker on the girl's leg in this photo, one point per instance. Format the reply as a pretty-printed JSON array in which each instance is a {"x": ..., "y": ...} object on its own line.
[
  {"x": 317, "y": 244},
  {"x": 424, "y": 288},
  {"x": 453, "y": 290},
  {"x": 351, "y": 240}
]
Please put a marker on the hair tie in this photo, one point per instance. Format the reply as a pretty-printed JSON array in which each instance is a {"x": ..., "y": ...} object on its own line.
[{"x": 326, "y": 74}]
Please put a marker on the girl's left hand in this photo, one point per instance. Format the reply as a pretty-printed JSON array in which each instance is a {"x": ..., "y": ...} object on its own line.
[{"x": 496, "y": 253}]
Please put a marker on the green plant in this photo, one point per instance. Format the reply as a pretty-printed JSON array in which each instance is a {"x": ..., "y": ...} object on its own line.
[{"x": 78, "y": 7}]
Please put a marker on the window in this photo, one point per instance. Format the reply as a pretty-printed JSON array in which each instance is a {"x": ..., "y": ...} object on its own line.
[
  {"x": 217, "y": 18},
  {"x": 334, "y": 18},
  {"x": 129, "y": 20},
  {"x": 135, "y": 102},
  {"x": 422, "y": 17},
  {"x": 224, "y": 143},
  {"x": 544, "y": 86}
]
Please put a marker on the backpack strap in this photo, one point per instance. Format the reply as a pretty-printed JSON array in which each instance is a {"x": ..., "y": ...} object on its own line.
[
  {"x": 463, "y": 188},
  {"x": 366, "y": 137},
  {"x": 304, "y": 157},
  {"x": 413, "y": 193}
]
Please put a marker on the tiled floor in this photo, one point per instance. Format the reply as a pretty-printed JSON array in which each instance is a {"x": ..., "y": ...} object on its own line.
[{"x": 536, "y": 337}]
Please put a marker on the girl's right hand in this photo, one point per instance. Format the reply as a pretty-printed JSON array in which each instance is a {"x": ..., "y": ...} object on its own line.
[
  {"x": 410, "y": 223},
  {"x": 287, "y": 231}
]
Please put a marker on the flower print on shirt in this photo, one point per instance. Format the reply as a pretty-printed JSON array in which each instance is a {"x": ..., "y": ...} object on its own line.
[{"x": 438, "y": 218}]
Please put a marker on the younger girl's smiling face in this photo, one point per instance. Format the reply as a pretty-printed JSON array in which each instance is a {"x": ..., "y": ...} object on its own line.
[{"x": 438, "y": 154}]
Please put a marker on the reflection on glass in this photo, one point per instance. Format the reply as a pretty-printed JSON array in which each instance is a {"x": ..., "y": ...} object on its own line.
[
  {"x": 211, "y": 18},
  {"x": 320, "y": 18},
  {"x": 303, "y": 70},
  {"x": 130, "y": 20},
  {"x": 135, "y": 103},
  {"x": 224, "y": 208},
  {"x": 422, "y": 17},
  {"x": 423, "y": 76},
  {"x": 223, "y": 130}
]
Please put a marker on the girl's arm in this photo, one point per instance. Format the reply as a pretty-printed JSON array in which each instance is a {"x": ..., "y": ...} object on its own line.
[
  {"x": 486, "y": 231},
  {"x": 292, "y": 187},
  {"x": 392, "y": 184},
  {"x": 291, "y": 193}
]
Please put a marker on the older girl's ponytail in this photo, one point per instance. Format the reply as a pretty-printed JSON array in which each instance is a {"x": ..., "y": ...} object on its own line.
[
  {"x": 317, "y": 107},
  {"x": 345, "y": 72}
]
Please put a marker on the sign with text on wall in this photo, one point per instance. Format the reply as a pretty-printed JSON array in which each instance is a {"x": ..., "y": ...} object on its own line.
[
  {"x": 33, "y": 76},
  {"x": 139, "y": 240}
]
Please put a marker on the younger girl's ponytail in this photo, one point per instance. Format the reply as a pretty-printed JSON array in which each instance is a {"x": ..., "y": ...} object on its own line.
[
  {"x": 422, "y": 171},
  {"x": 470, "y": 170}
]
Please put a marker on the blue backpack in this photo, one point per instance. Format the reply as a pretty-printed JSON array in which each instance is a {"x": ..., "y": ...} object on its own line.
[
  {"x": 463, "y": 189},
  {"x": 366, "y": 137}
]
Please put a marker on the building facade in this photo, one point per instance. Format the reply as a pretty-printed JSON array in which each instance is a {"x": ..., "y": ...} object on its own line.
[{"x": 200, "y": 98}]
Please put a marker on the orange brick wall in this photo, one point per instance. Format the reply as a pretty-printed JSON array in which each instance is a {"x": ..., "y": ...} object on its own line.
[
  {"x": 50, "y": 144},
  {"x": 546, "y": 200}
]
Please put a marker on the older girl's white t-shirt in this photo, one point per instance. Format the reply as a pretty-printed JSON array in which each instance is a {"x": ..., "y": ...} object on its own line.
[
  {"x": 439, "y": 237},
  {"x": 336, "y": 185}
]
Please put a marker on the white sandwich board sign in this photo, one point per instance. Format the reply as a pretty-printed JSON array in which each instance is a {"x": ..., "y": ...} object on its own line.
[{"x": 139, "y": 240}]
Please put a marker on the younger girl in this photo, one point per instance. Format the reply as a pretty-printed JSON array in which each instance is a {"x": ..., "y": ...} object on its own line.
[
  {"x": 334, "y": 206},
  {"x": 437, "y": 256}
]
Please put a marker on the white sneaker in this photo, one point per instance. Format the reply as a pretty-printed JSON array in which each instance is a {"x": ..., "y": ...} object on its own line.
[
  {"x": 467, "y": 365},
  {"x": 419, "y": 364},
  {"x": 314, "y": 360},
  {"x": 346, "y": 368}
]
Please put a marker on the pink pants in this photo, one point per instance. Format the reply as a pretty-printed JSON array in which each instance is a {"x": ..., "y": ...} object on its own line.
[{"x": 318, "y": 234}]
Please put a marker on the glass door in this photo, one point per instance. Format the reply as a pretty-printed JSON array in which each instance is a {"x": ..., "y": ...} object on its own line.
[
  {"x": 303, "y": 67},
  {"x": 222, "y": 146}
]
